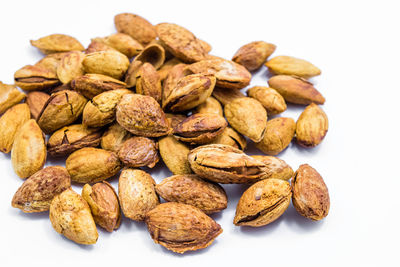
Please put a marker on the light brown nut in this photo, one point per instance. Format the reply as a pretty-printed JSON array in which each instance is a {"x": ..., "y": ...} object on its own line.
[
  {"x": 51, "y": 61},
  {"x": 32, "y": 78},
  {"x": 296, "y": 90},
  {"x": 131, "y": 73},
  {"x": 189, "y": 92},
  {"x": 97, "y": 46},
  {"x": 10, "y": 123},
  {"x": 311, "y": 126},
  {"x": 123, "y": 43},
  {"x": 200, "y": 128},
  {"x": 231, "y": 138},
  {"x": 253, "y": 55},
  {"x": 138, "y": 152},
  {"x": 174, "y": 154},
  {"x": 206, "y": 46},
  {"x": 36, "y": 101},
  {"x": 292, "y": 66},
  {"x": 142, "y": 115},
  {"x": 271, "y": 100},
  {"x": 137, "y": 194},
  {"x": 174, "y": 119},
  {"x": 28, "y": 153},
  {"x": 101, "y": 109},
  {"x": 228, "y": 73},
  {"x": 91, "y": 165},
  {"x": 70, "y": 216},
  {"x": 280, "y": 132},
  {"x": 176, "y": 73},
  {"x": 275, "y": 168},
  {"x": 190, "y": 189},
  {"x": 247, "y": 116},
  {"x": 167, "y": 66},
  {"x": 148, "y": 82},
  {"x": 263, "y": 203},
  {"x": 310, "y": 194},
  {"x": 136, "y": 27},
  {"x": 211, "y": 105},
  {"x": 71, "y": 138},
  {"x": 180, "y": 42},
  {"x": 61, "y": 109},
  {"x": 104, "y": 204},
  {"x": 110, "y": 63},
  {"x": 70, "y": 66},
  {"x": 114, "y": 137},
  {"x": 9, "y": 96},
  {"x": 153, "y": 54},
  {"x": 90, "y": 85},
  {"x": 37, "y": 192},
  {"x": 56, "y": 43},
  {"x": 225, "y": 164},
  {"x": 180, "y": 227},
  {"x": 225, "y": 96}
]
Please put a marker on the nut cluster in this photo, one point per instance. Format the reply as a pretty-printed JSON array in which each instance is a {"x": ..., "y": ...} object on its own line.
[{"x": 149, "y": 94}]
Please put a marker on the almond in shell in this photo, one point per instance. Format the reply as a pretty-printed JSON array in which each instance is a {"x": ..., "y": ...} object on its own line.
[
  {"x": 311, "y": 126},
  {"x": 9, "y": 96},
  {"x": 292, "y": 66}
]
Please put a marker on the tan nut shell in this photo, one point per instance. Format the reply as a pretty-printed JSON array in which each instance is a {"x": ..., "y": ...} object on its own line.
[
  {"x": 9, "y": 96},
  {"x": 225, "y": 96},
  {"x": 253, "y": 55},
  {"x": 271, "y": 100},
  {"x": 174, "y": 154},
  {"x": 136, "y": 27},
  {"x": 175, "y": 74},
  {"x": 114, "y": 137},
  {"x": 109, "y": 63},
  {"x": 292, "y": 66},
  {"x": 36, "y": 101},
  {"x": 167, "y": 66},
  {"x": 10, "y": 123},
  {"x": 211, "y": 105},
  {"x": 231, "y": 138},
  {"x": 153, "y": 54},
  {"x": 311, "y": 126},
  {"x": 70, "y": 66},
  {"x": 138, "y": 152},
  {"x": 148, "y": 82},
  {"x": 30, "y": 78},
  {"x": 123, "y": 43},
  {"x": 56, "y": 43},
  {"x": 90, "y": 85},
  {"x": 275, "y": 168}
]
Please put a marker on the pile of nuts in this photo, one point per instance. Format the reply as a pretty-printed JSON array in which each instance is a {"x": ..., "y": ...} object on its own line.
[{"x": 151, "y": 92}]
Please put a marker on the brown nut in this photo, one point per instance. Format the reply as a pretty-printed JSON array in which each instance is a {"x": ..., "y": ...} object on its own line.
[
  {"x": 37, "y": 192},
  {"x": 180, "y": 227},
  {"x": 310, "y": 194},
  {"x": 136, "y": 27},
  {"x": 211, "y": 105},
  {"x": 56, "y": 43},
  {"x": 231, "y": 138},
  {"x": 71, "y": 138},
  {"x": 174, "y": 154},
  {"x": 225, "y": 96},
  {"x": 311, "y": 126},
  {"x": 175, "y": 74},
  {"x": 90, "y": 165},
  {"x": 132, "y": 73},
  {"x": 10, "y": 123},
  {"x": 275, "y": 168},
  {"x": 292, "y": 66},
  {"x": 280, "y": 132},
  {"x": 271, "y": 100},
  {"x": 36, "y": 101},
  {"x": 9, "y": 96},
  {"x": 70, "y": 66},
  {"x": 167, "y": 66},
  {"x": 123, "y": 43},
  {"x": 104, "y": 204},
  {"x": 137, "y": 194},
  {"x": 148, "y": 82},
  {"x": 114, "y": 137},
  {"x": 192, "y": 190},
  {"x": 138, "y": 152},
  {"x": 263, "y": 203},
  {"x": 32, "y": 78},
  {"x": 90, "y": 85},
  {"x": 253, "y": 55},
  {"x": 153, "y": 54},
  {"x": 51, "y": 61},
  {"x": 97, "y": 46},
  {"x": 109, "y": 63}
]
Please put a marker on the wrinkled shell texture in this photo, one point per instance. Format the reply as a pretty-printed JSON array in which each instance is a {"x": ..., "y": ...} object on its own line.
[
  {"x": 275, "y": 168},
  {"x": 10, "y": 123},
  {"x": 36, "y": 101},
  {"x": 55, "y": 43},
  {"x": 254, "y": 54},
  {"x": 180, "y": 227},
  {"x": 272, "y": 101},
  {"x": 136, "y": 27},
  {"x": 138, "y": 152},
  {"x": 90, "y": 85},
  {"x": 174, "y": 154},
  {"x": 312, "y": 126},
  {"x": 292, "y": 66},
  {"x": 114, "y": 137},
  {"x": 148, "y": 82},
  {"x": 110, "y": 63},
  {"x": 123, "y": 43}
]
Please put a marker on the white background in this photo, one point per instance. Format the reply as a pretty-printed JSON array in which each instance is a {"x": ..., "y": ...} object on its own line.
[{"x": 356, "y": 45}]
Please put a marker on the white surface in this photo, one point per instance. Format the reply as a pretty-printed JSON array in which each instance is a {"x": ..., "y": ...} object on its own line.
[{"x": 356, "y": 45}]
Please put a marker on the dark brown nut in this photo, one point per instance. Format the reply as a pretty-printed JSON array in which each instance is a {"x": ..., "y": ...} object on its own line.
[
  {"x": 311, "y": 126},
  {"x": 310, "y": 194},
  {"x": 200, "y": 128},
  {"x": 296, "y": 90},
  {"x": 37, "y": 192},
  {"x": 276, "y": 168},
  {"x": 271, "y": 100},
  {"x": 71, "y": 138},
  {"x": 225, "y": 96},
  {"x": 70, "y": 66},
  {"x": 247, "y": 116},
  {"x": 56, "y": 43},
  {"x": 180, "y": 42},
  {"x": 263, "y": 203},
  {"x": 9, "y": 96},
  {"x": 176, "y": 73},
  {"x": 97, "y": 46},
  {"x": 153, "y": 54},
  {"x": 225, "y": 164},
  {"x": 101, "y": 109},
  {"x": 167, "y": 66},
  {"x": 180, "y": 227},
  {"x": 190, "y": 189},
  {"x": 278, "y": 135},
  {"x": 142, "y": 115},
  {"x": 211, "y": 105},
  {"x": 132, "y": 73},
  {"x": 123, "y": 43},
  {"x": 136, "y": 27},
  {"x": 253, "y": 55},
  {"x": 110, "y": 63},
  {"x": 114, "y": 137},
  {"x": 138, "y": 152},
  {"x": 189, "y": 92},
  {"x": 36, "y": 101},
  {"x": 174, "y": 154},
  {"x": 90, "y": 85},
  {"x": 32, "y": 78},
  {"x": 104, "y": 204},
  {"x": 231, "y": 138},
  {"x": 228, "y": 73},
  {"x": 61, "y": 109},
  {"x": 91, "y": 165},
  {"x": 148, "y": 82}
]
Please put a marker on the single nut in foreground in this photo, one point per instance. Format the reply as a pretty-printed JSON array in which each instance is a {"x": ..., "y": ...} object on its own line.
[
  {"x": 36, "y": 101},
  {"x": 275, "y": 168},
  {"x": 253, "y": 55},
  {"x": 271, "y": 100},
  {"x": 136, "y": 27},
  {"x": 192, "y": 190},
  {"x": 180, "y": 227},
  {"x": 90, "y": 165},
  {"x": 9, "y": 96},
  {"x": 37, "y": 192},
  {"x": 70, "y": 216},
  {"x": 139, "y": 151},
  {"x": 292, "y": 66},
  {"x": 311, "y": 126},
  {"x": 136, "y": 193},
  {"x": 91, "y": 85},
  {"x": 104, "y": 204},
  {"x": 56, "y": 43},
  {"x": 110, "y": 63},
  {"x": 174, "y": 154},
  {"x": 263, "y": 203},
  {"x": 310, "y": 194}
]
